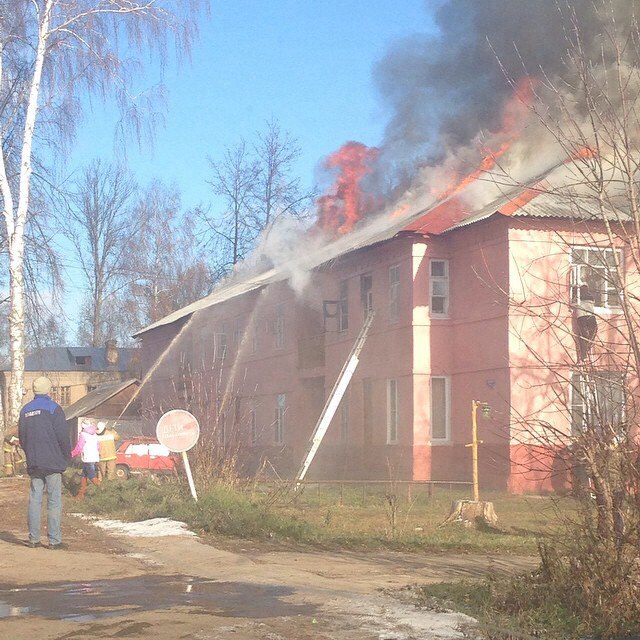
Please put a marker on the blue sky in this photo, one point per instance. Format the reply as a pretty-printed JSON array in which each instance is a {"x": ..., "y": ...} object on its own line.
[{"x": 307, "y": 63}]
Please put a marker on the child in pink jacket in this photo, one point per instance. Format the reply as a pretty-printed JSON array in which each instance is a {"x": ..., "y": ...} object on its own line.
[{"x": 87, "y": 447}]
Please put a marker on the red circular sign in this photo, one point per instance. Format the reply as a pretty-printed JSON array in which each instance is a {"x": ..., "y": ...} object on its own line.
[{"x": 178, "y": 430}]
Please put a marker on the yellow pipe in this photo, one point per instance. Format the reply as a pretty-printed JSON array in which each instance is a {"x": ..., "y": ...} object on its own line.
[{"x": 474, "y": 450}]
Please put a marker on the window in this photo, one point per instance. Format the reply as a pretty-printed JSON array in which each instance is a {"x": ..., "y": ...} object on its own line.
[
  {"x": 62, "y": 395},
  {"x": 278, "y": 326},
  {"x": 343, "y": 306},
  {"x": 137, "y": 450},
  {"x": 597, "y": 401},
  {"x": 394, "y": 289},
  {"x": 439, "y": 285},
  {"x": 440, "y": 402},
  {"x": 279, "y": 418},
  {"x": 237, "y": 332},
  {"x": 220, "y": 347},
  {"x": 83, "y": 361},
  {"x": 157, "y": 449},
  {"x": 596, "y": 268},
  {"x": 392, "y": 411},
  {"x": 366, "y": 293},
  {"x": 344, "y": 419}
]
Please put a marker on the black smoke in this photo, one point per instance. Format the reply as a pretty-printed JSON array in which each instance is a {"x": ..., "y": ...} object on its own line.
[{"x": 444, "y": 90}]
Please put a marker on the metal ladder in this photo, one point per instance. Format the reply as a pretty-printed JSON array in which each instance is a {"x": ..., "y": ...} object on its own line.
[{"x": 333, "y": 401}]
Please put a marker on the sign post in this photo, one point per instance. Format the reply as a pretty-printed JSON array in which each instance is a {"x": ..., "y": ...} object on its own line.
[{"x": 178, "y": 430}]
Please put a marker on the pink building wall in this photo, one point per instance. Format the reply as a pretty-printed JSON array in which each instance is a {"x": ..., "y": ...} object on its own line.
[{"x": 486, "y": 347}]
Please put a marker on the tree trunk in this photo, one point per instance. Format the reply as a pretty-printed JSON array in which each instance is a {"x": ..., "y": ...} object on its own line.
[
  {"x": 16, "y": 240},
  {"x": 470, "y": 513}
]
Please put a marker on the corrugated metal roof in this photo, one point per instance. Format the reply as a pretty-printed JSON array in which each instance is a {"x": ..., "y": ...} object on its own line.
[
  {"x": 452, "y": 213},
  {"x": 97, "y": 397}
]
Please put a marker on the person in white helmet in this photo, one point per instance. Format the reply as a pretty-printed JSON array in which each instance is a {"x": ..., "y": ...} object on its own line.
[{"x": 107, "y": 438}]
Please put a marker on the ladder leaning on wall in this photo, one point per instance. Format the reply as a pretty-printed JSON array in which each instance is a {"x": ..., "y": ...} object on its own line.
[{"x": 333, "y": 401}]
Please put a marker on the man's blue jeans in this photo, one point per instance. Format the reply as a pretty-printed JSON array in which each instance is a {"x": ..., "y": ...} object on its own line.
[{"x": 53, "y": 484}]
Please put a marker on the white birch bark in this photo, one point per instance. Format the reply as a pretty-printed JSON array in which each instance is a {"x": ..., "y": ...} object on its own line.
[{"x": 16, "y": 227}]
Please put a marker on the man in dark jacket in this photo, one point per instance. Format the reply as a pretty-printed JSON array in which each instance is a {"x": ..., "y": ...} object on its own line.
[{"x": 44, "y": 437}]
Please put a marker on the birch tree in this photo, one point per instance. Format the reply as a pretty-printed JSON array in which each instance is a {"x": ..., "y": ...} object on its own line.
[
  {"x": 51, "y": 53},
  {"x": 101, "y": 213},
  {"x": 163, "y": 269}
]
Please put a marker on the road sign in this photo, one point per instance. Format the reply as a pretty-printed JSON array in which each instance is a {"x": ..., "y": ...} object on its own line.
[{"x": 178, "y": 430}]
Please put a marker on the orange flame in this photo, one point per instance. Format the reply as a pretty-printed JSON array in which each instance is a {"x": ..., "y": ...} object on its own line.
[
  {"x": 452, "y": 208},
  {"x": 346, "y": 203},
  {"x": 519, "y": 201},
  {"x": 513, "y": 113}
]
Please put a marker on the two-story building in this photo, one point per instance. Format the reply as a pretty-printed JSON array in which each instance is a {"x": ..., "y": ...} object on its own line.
[
  {"x": 75, "y": 371},
  {"x": 471, "y": 303}
]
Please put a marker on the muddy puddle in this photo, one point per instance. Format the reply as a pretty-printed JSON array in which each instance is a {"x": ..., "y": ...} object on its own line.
[{"x": 91, "y": 600}]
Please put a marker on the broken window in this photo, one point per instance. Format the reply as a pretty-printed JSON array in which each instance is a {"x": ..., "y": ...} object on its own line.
[
  {"x": 366, "y": 293},
  {"x": 440, "y": 409},
  {"x": 343, "y": 306},
  {"x": 597, "y": 402},
  {"x": 439, "y": 285},
  {"x": 597, "y": 269},
  {"x": 394, "y": 290}
]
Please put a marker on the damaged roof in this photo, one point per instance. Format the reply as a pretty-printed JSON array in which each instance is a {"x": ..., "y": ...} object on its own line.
[{"x": 539, "y": 197}]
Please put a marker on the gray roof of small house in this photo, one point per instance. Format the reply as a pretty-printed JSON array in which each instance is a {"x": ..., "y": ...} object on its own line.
[
  {"x": 98, "y": 396},
  {"x": 64, "y": 359},
  {"x": 549, "y": 202}
]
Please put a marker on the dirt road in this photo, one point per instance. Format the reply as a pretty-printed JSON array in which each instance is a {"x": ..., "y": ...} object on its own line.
[{"x": 114, "y": 585}]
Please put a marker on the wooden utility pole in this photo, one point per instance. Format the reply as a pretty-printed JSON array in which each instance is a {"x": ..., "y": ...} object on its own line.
[
  {"x": 474, "y": 447},
  {"x": 468, "y": 512}
]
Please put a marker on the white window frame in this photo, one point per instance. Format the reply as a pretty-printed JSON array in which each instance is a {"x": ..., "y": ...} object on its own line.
[
  {"x": 578, "y": 401},
  {"x": 394, "y": 293},
  {"x": 447, "y": 409},
  {"x": 281, "y": 408},
  {"x": 220, "y": 347},
  {"x": 237, "y": 332},
  {"x": 578, "y": 278},
  {"x": 439, "y": 280},
  {"x": 392, "y": 411}
]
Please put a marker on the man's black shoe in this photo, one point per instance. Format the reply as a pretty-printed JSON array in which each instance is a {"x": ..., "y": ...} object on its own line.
[
  {"x": 32, "y": 545},
  {"x": 60, "y": 545}
]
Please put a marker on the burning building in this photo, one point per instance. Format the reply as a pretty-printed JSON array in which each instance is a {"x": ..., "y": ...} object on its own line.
[
  {"x": 479, "y": 280},
  {"x": 464, "y": 297}
]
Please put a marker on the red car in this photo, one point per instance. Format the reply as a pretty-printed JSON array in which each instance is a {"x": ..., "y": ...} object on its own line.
[{"x": 144, "y": 456}]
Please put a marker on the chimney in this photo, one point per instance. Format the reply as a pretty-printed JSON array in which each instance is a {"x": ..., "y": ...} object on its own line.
[{"x": 111, "y": 352}]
